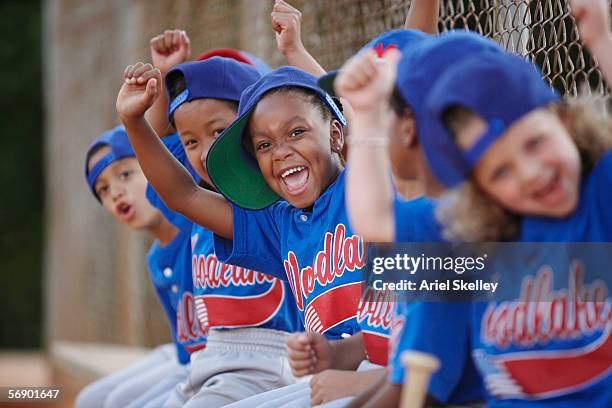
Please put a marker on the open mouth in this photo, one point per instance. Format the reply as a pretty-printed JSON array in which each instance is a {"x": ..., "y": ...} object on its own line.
[
  {"x": 125, "y": 211},
  {"x": 552, "y": 193},
  {"x": 294, "y": 179}
]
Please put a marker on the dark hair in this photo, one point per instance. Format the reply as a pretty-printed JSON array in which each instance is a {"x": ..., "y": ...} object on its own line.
[
  {"x": 311, "y": 97},
  {"x": 397, "y": 102},
  {"x": 176, "y": 84}
]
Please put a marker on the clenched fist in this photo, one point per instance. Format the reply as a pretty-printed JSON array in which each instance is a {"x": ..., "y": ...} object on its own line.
[{"x": 141, "y": 87}]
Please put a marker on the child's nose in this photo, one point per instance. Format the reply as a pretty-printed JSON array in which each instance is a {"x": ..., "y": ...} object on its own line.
[
  {"x": 281, "y": 151},
  {"x": 116, "y": 192},
  {"x": 529, "y": 172}
]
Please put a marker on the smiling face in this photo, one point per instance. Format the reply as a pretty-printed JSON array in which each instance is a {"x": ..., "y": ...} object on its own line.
[
  {"x": 121, "y": 188},
  {"x": 296, "y": 146},
  {"x": 198, "y": 124},
  {"x": 532, "y": 169}
]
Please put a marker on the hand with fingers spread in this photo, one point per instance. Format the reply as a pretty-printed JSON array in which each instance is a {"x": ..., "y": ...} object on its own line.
[
  {"x": 169, "y": 49},
  {"x": 308, "y": 353},
  {"x": 141, "y": 86},
  {"x": 286, "y": 22},
  {"x": 367, "y": 81}
]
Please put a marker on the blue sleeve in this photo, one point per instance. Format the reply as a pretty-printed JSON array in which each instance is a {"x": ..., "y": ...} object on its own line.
[
  {"x": 415, "y": 220},
  {"x": 257, "y": 241},
  {"x": 440, "y": 329},
  {"x": 603, "y": 190},
  {"x": 182, "y": 354},
  {"x": 176, "y": 219}
]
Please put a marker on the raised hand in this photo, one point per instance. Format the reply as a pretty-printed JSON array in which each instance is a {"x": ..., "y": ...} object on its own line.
[
  {"x": 286, "y": 22},
  {"x": 593, "y": 17},
  {"x": 367, "y": 81},
  {"x": 141, "y": 86},
  {"x": 169, "y": 49},
  {"x": 308, "y": 353}
]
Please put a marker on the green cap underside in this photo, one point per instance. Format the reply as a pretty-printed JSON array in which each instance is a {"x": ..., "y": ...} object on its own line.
[
  {"x": 233, "y": 177},
  {"x": 326, "y": 82}
]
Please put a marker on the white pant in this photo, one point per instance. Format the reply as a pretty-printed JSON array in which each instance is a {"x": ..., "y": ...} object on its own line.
[{"x": 235, "y": 364}]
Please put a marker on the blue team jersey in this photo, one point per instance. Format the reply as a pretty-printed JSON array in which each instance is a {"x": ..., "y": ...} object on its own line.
[
  {"x": 170, "y": 269},
  {"x": 432, "y": 327},
  {"x": 551, "y": 353},
  {"x": 538, "y": 354},
  {"x": 321, "y": 258},
  {"x": 415, "y": 220},
  {"x": 441, "y": 329},
  {"x": 228, "y": 296}
]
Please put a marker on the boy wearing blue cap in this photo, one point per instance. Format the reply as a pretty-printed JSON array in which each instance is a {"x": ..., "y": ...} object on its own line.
[
  {"x": 173, "y": 47},
  {"x": 116, "y": 180}
]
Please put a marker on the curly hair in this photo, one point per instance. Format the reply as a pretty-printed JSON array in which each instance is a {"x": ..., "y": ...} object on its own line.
[{"x": 467, "y": 214}]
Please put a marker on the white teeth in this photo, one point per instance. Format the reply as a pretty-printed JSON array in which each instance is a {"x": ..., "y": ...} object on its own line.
[{"x": 291, "y": 171}]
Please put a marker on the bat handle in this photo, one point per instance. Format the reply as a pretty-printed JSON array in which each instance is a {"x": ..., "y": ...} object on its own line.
[{"x": 418, "y": 368}]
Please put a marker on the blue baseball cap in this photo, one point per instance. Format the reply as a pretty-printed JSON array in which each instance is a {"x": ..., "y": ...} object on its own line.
[
  {"x": 242, "y": 182},
  {"x": 401, "y": 39},
  {"x": 419, "y": 70},
  {"x": 117, "y": 140},
  {"x": 500, "y": 88},
  {"x": 215, "y": 78}
]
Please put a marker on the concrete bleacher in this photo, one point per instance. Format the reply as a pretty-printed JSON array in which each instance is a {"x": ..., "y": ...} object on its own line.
[
  {"x": 68, "y": 366},
  {"x": 76, "y": 364}
]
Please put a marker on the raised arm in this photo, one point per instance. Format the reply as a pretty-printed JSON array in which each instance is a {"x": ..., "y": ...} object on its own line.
[
  {"x": 593, "y": 17},
  {"x": 286, "y": 22},
  {"x": 174, "y": 184},
  {"x": 167, "y": 50},
  {"x": 423, "y": 15},
  {"x": 366, "y": 81}
]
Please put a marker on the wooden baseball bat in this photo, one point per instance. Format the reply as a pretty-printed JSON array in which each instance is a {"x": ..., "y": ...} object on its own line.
[{"x": 418, "y": 368}]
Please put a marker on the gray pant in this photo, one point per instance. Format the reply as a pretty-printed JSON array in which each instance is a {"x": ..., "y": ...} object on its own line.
[
  {"x": 235, "y": 364},
  {"x": 125, "y": 386}
]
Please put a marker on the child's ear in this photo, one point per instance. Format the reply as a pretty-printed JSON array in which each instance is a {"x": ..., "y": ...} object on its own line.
[
  {"x": 408, "y": 131},
  {"x": 336, "y": 136}
]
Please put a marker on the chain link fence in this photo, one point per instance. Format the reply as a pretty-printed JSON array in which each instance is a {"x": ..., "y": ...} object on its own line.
[{"x": 541, "y": 30}]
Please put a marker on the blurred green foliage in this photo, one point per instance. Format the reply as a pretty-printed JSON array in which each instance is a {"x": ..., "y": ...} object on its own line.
[{"x": 21, "y": 174}]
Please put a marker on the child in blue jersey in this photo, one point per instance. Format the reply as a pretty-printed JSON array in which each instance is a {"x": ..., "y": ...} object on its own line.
[
  {"x": 116, "y": 180},
  {"x": 544, "y": 171},
  {"x": 253, "y": 301},
  {"x": 249, "y": 314},
  {"x": 520, "y": 156}
]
